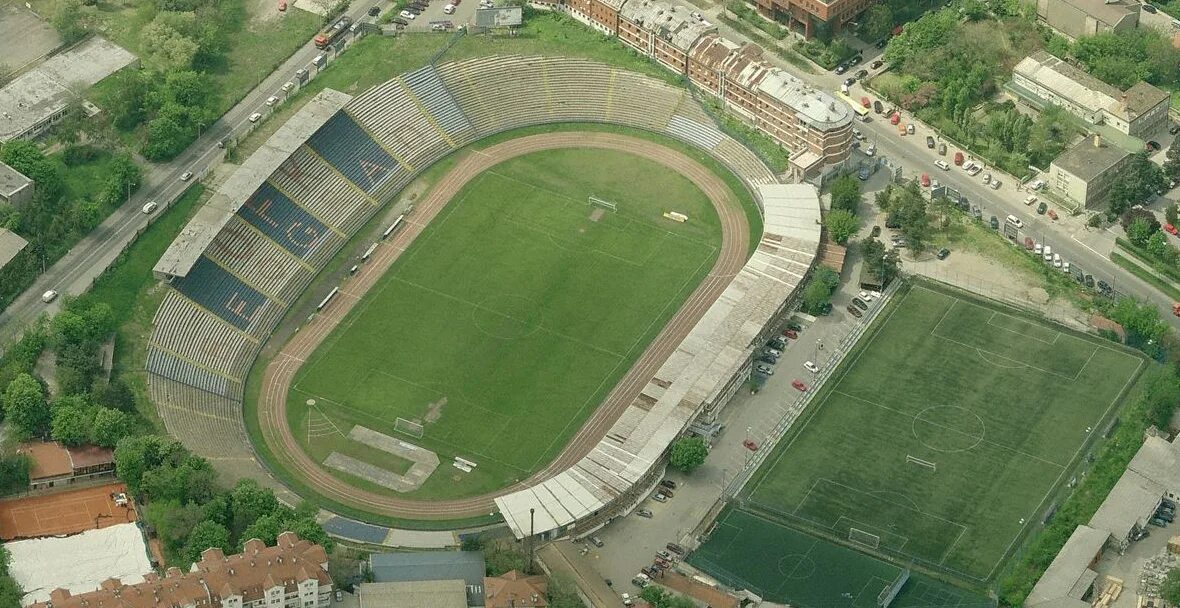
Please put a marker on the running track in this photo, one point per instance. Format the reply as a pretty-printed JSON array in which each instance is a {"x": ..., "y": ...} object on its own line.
[{"x": 272, "y": 410}]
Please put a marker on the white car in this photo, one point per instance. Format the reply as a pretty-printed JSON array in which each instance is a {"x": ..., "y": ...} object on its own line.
[
  {"x": 1037, "y": 249},
  {"x": 150, "y": 207},
  {"x": 49, "y": 296},
  {"x": 811, "y": 367},
  {"x": 1065, "y": 267},
  {"x": 1015, "y": 221},
  {"x": 1031, "y": 199},
  {"x": 764, "y": 370},
  {"x": 287, "y": 87},
  {"x": 407, "y": 14},
  {"x": 272, "y": 100},
  {"x": 1057, "y": 260},
  {"x": 187, "y": 175},
  {"x": 449, "y": 9},
  {"x": 1047, "y": 253},
  {"x": 255, "y": 116}
]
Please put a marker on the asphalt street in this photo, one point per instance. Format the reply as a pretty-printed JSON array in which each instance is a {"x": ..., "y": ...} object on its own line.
[{"x": 76, "y": 271}]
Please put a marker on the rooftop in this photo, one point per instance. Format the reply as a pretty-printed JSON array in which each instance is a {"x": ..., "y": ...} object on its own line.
[
  {"x": 515, "y": 590},
  {"x": 231, "y": 194},
  {"x": 1106, "y": 11},
  {"x": 12, "y": 181},
  {"x": 49, "y": 458},
  {"x": 1158, "y": 459},
  {"x": 84, "y": 456},
  {"x": 466, "y": 566},
  {"x": 413, "y": 594},
  {"x": 1132, "y": 501},
  {"x": 48, "y": 88},
  {"x": 1069, "y": 82},
  {"x": 216, "y": 576},
  {"x": 1090, "y": 158},
  {"x": 693, "y": 375},
  {"x": 10, "y": 244},
  {"x": 1142, "y": 97},
  {"x": 671, "y": 22},
  {"x": 1068, "y": 577}
]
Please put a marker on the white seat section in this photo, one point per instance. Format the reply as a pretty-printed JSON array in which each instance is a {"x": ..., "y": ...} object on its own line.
[
  {"x": 166, "y": 365},
  {"x": 744, "y": 162},
  {"x": 209, "y": 425},
  {"x": 643, "y": 102},
  {"x": 314, "y": 185},
  {"x": 432, "y": 93},
  {"x": 259, "y": 261},
  {"x": 699, "y": 134},
  {"x": 393, "y": 118},
  {"x": 191, "y": 332}
]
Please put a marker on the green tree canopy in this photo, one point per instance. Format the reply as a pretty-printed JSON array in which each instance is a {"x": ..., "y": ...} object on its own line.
[
  {"x": 846, "y": 194},
  {"x": 72, "y": 420},
  {"x": 110, "y": 426},
  {"x": 688, "y": 453},
  {"x": 206, "y": 535},
  {"x": 877, "y": 22},
  {"x": 841, "y": 225},
  {"x": 25, "y": 408},
  {"x": 1170, "y": 590}
]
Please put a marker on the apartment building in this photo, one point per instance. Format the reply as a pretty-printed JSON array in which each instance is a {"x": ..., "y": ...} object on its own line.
[
  {"x": 1085, "y": 172},
  {"x": 291, "y": 574},
  {"x": 806, "y": 16}
]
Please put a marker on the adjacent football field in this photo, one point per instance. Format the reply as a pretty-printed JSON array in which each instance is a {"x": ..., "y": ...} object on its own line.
[
  {"x": 506, "y": 323},
  {"x": 939, "y": 441}
]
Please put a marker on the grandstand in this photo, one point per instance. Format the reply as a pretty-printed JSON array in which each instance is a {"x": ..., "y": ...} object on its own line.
[{"x": 249, "y": 253}]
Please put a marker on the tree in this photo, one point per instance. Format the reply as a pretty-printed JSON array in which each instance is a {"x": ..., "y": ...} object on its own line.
[
  {"x": 14, "y": 474},
  {"x": 841, "y": 225},
  {"x": 1157, "y": 244},
  {"x": 908, "y": 207},
  {"x": 1138, "y": 181},
  {"x": 109, "y": 427},
  {"x": 1172, "y": 165},
  {"x": 563, "y": 592},
  {"x": 67, "y": 20},
  {"x": 25, "y": 408},
  {"x": 1141, "y": 320},
  {"x": 167, "y": 48},
  {"x": 688, "y": 453},
  {"x": 205, "y": 535},
  {"x": 472, "y": 542},
  {"x": 250, "y": 501},
  {"x": 501, "y": 558},
  {"x": 1170, "y": 590},
  {"x": 174, "y": 522},
  {"x": 846, "y": 194},
  {"x": 128, "y": 103},
  {"x": 881, "y": 262},
  {"x": 72, "y": 420},
  {"x": 878, "y": 22},
  {"x": 1139, "y": 232},
  {"x": 26, "y": 157},
  {"x": 135, "y": 456},
  {"x": 1171, "y": 211}
]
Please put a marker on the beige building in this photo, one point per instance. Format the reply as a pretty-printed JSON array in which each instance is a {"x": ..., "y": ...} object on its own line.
[
  {"x": 1085, "y": 172},
  {"x": 1138, "y": 111},
  {"x": 291, "y": 574},
  {"x": 1077, "y": 18},
  {"x": 15, "y": 189}
]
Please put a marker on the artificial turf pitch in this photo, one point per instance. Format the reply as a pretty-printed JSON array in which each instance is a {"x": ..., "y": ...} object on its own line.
[
  {"x": 941, "y": 438},
  {"x": 506, "y": 323}
]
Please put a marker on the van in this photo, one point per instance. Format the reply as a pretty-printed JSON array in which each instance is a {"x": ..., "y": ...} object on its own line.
[
  {"x": 1015, "y": 221},
  {"x": 942, "y": 164},
  {"x": 449, "y": 9},
  {"x": 49, "y": 296}
]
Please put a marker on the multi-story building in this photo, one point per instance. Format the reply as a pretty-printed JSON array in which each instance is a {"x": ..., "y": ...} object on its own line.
[
  {"x": 1138, "y": 111},
  {"x": 665, "y": 32},
  {"x": 1077, "y": 18},
  {"x": 1085, "y": 172},
  {"x": 806, "y": 16},
  {"x": 291, "y": 574}
]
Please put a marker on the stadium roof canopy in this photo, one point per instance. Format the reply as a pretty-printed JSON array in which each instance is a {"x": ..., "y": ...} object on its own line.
[
  {"x": 695, "y": 377},
  {"x": 10, "y": 244},
  {"x": 231, "y": 194}
]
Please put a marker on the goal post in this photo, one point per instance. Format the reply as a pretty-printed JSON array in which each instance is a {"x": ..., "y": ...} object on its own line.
[
  {"x": 922, "y": 463},
  {"x": 863, "y": 538},
  {"x": 597, "y": 202},
  {"x": 409, "y": 427}
]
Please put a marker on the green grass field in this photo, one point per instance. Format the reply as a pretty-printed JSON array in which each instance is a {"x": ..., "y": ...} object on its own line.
[
  {"x": 809, "y": 572},
  {"x": 940, "y": 439},
  {"x": 510, "y": 318}
]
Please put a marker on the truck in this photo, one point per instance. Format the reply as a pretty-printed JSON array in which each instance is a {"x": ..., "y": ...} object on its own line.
[{"x": 329, "y": 34}]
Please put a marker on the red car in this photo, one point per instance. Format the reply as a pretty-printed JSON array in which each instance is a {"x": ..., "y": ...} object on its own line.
[
  {"x": 1052, "y": 214},
  {"x": 282, "y": 5},
  {"x": 790, "y": 333},
  {"x": 750, "y": 445},
  {"x": 896, "y": 118},
  {"x": 864, "y": 101},
  {"x": 925, "y": 181},
  {"x": 798, "y": 384},
  {"x": 1170, "y": 229}
]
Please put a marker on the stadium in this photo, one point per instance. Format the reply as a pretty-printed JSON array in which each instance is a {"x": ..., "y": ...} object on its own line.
[{"x": 277, "y": 239}]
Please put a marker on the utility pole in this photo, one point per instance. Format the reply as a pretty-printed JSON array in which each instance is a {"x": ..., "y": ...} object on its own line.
[{"x": 532, "y": 541}]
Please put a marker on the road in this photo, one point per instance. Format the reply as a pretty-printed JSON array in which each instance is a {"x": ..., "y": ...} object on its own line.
[
  {"x": 1083, "y": 247},
  {"x": 76, "y": 271}
]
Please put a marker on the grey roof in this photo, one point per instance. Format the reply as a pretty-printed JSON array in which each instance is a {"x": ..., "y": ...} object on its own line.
[
  {"x": 694, "y": 375},
  {"x": 1066, "y": 580},
  {"x": 48, "y": 88},
  {"x": 10, "y": 244},
  {"x": 1110, "y": 12},
  {"x": 1141, "y": 98},
  {"x": 812, "y": 106},
  {"x": 671, "y": 22},
  {"x": 1131, "y": 503},
  {"x": 1086, "y": 160},
  {"x": 413, "y": 594},
  {"x": 467, "y": 566},
  {"x": 231, "y": 194},
  {"x": 11, "y": 180},
  {"x": 501, "y": 16},
  {"x": 1159, "y": 459},
  {"x": 1069, "y": 82}
]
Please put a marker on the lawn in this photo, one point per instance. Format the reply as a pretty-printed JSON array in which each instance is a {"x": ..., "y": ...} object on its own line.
[
  {"x": 517, "y": 308},
  {"x": 941, "y": 439}
]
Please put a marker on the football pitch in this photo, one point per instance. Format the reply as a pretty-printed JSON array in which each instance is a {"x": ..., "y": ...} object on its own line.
[
  {"x": 940, "y": 440},
  {"x": 510, "y": 318}
]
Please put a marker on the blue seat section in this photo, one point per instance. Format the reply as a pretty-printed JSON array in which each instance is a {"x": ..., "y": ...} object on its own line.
[
  {"x": 356, "y": 530},
  {"x": 164, "y": 364},
  {"x": 221, "y": 293},
  {"x": 428, "y": 87},
  {"x": 286, "y": 223},
  {"x": 346, "y": 146}
]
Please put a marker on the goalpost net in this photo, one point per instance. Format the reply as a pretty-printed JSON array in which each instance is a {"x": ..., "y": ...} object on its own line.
[
  {"x": 866, "y": 539},
  {"x": 597, "y": 202},
  {"x": 922, "y": 463},
  {"x": 409, "y": 427}
]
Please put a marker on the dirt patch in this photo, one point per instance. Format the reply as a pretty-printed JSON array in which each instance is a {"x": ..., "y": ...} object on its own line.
[
  {"x": 434, "y": 410},
  {"x": 597, "y": 214}
]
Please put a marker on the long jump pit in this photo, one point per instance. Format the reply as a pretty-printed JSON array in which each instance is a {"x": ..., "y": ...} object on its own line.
[{"x": 64, "y": 513}]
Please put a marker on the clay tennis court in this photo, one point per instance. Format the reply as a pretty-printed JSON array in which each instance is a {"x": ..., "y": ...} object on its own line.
[{"x": 64, "y": 513}]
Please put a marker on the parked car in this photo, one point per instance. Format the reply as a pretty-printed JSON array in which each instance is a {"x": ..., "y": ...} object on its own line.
[
  {"x": 596, "y": 541},
  {"x": 764, "y": 370},
  {"x": 943, "y": 253},
  {"x": 668, "y": 483},
  {"x": 995, "y": 223},
  {"x": 255, "y": 116},
  {"x": 861, "y": 74},
  {"x": 793, "y": 326},
  {"x": 854, "y": 311},
  {"x": 1103, "y": 286},
  {"x": 49, "y": 296},
  {"x": 811, "y": 367},
  {"x": 930, "y": 142},
  {"x": 1015, "y": 221},
  {"x": 659, "y": 497},
  {"x": 1152, "y": 146},
  {"x": 374, "y": 11},
  {"x": 291, "y": 85},
  {"x": 790, "y": 333},
  {"x": 644, "y": 513},
  {"x": 187, "y": 175},
  {"x": 859, "y": 303},
  {"x": 840, "y": 69},
  {"x": 1089, "y": 280},
  {"x": 995, "y": 184},
  {"x": 750, "y": 445},
  {"x": 1041, "y": 208},
  {"x": 773, "y": 352},
  {"x": 799, "y": 386},
  {"x": 150, "y": 206},
  {"x": 1052, "y": 214},
  {"x": 925, "y": 179},
  {"x": 767, "y": 360},
  {"x": 875, "y": 232},
  {"x": 909, "y": 128},
  {"x": 876, "y": 64}
]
